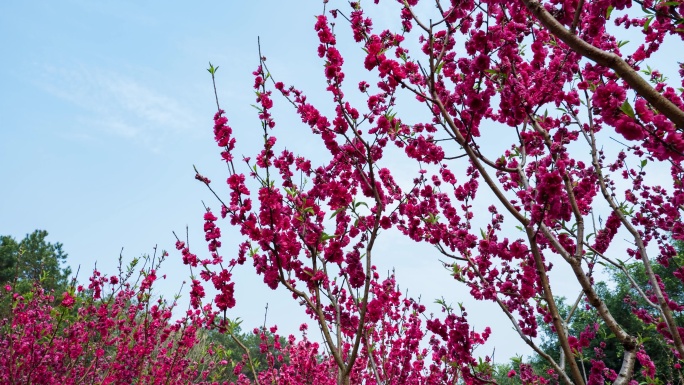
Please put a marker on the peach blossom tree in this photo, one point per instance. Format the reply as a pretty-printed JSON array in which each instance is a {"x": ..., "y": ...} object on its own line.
[{"x": 592, "y": 130}]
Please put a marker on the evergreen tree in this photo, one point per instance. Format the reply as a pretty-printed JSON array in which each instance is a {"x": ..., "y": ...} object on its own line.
[
  {"x": 622, "y": 300},
  {"x": 32, "y": 260}
]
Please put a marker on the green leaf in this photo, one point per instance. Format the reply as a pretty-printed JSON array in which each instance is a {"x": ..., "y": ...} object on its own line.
[
  {"x": 212, "y": 70},
  {"x": 627, "y": 109},
  {"x": 648, "y": 23},
  {"x": 553, "y": 42},
  {"x": 357, "y": 204},
  {"x": 609, "y": 11},
  {"x": 521, "y": 48},
  {"x": 432, "y": 219},
  {"x": 334, "y": 214},
  {"x": 325, "y": 237},
  {"x": 622, "y": 43},
  {"x": 644, "y": 162}
]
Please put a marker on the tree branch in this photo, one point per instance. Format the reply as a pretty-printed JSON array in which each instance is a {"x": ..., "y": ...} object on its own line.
[{"x": 610, "y": 60}]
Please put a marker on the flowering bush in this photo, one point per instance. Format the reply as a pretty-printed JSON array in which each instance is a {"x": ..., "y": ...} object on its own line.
[
  {"x": 391, "y": 347},
  {"x": 503, "y": 218},
  {"x": 110, "y": 332}
]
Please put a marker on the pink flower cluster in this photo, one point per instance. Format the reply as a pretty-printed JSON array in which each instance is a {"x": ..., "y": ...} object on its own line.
[{"x": 110, "y": 332}]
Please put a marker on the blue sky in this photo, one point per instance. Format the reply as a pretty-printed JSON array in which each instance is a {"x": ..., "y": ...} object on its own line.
[{"x": 106, "y": 106}]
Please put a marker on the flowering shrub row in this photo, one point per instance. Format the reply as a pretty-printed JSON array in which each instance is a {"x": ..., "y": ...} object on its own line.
[{"x": 111, "y": 331}]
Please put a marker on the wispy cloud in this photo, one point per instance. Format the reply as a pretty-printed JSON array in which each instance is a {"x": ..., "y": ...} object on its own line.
[{"x": 118, "y": 104}]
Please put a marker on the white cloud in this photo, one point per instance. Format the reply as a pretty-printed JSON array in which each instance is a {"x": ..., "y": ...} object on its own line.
[{"x": 118, "y": 104}]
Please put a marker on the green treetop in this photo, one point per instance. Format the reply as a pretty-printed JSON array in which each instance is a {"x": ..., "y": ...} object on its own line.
[{"x": 33, "y": 259}]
